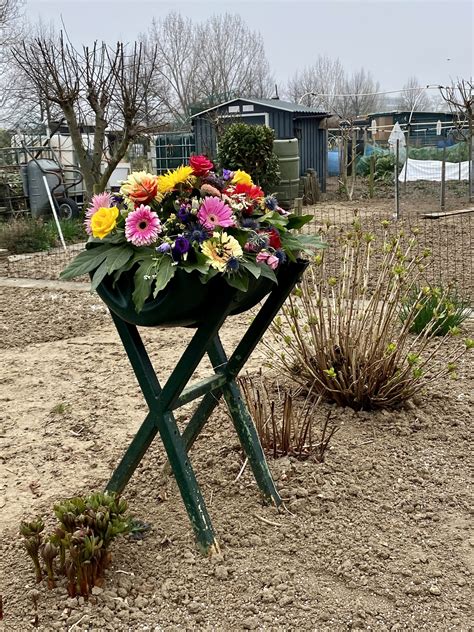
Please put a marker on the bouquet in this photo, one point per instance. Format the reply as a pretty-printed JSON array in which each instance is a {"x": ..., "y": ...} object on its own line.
[{"x": 194, "y": 219}]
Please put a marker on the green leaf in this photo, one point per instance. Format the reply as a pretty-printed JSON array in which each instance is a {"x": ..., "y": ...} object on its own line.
[
  {"x": 297, "y": 221},
  {"x": 142, "y": 286},
  {"x": 86, "y": 261},
  {"x": 99, "y": 275},
  {"x": 118, "y": 257},
  {"x": 254, "y": 268},
  {"x": 164, "y": 271},
  {"x": 201, "y": 264},
  {"x": 210, "y": 274},
  {"x": 267, "y": 272},
  {"x": 239, "y": 281}
]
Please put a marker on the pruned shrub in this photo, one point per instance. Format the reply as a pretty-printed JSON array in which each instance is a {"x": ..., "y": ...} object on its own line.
[
  {"x": 79, "y": 547},
  {"x": 285, "y": 424},
  {"x": 250, "y": 147},
  {"x": 341, "y": 336},
  {"x": 437, "y": 310}
]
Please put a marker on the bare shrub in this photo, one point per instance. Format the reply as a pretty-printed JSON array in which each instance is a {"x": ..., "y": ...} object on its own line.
[
  {"x": 342, "y": 337},
  {"x": 285, "y": 425}
]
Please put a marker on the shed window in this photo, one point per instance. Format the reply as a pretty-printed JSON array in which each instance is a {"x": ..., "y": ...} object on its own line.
[
  {"x": 234, "y": 108},
  {"x": 247, "y": 108}
]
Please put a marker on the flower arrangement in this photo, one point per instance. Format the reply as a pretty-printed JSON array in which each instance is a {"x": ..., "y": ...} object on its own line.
[{"x": 195, "y": 219}]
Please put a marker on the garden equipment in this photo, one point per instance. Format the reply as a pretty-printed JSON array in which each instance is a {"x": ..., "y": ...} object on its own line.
[{"x": 162, "y": 401}]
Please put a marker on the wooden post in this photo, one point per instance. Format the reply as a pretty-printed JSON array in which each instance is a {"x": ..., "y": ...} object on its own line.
[
  {"x": 397, "y": 189},
  {"x": 443, "y": 181}
]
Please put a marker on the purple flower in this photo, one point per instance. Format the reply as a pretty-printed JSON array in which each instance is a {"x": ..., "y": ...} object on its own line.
[
  {"x": 233, "y": 264},
  {"x": 271, "y": 202},
  {"x": 197, "y": 233},
  {"x": 164, "y": 247},
  {"x": 227, "y": 174},
  {"x": 181, "y": 246},
  {"x": 281, "y": 255},
  {"x": 249, "y": 222},
  {"x": 183, "y": 213}
]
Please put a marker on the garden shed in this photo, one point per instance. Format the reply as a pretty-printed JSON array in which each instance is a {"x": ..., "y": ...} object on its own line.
[{"x": 288, "y": 120}]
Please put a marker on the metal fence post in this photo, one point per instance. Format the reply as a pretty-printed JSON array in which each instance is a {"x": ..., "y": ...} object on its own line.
[
  {"x": 443, "y": 181},
  {"x": 397, "y": 188}
]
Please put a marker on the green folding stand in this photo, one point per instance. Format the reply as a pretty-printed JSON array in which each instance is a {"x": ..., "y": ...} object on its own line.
[{"x": 163, "y": 401}]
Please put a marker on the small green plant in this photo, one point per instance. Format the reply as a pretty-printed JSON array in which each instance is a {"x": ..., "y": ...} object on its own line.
[
  {"x": 60, "y": 409},
  {"x": 437, "y": 310},
  {"x": 284, "y": 425},
  {"x": 250, "y": 147},
  {"x": 341, "y": 336},
  {"x": 78, "y": 547}
]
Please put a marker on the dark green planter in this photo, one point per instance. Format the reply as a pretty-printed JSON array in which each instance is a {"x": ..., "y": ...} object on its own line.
[{"x": 186, "y": 302}]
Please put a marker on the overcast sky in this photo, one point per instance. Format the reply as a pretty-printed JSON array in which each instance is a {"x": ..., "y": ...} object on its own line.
[{"x": 393, "y": 39}]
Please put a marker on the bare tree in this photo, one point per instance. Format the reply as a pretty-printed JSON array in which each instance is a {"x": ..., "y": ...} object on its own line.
[
  {"x": 459, "y": 97},
  {"x": 314, "y": 83},
  {"x": 362, "y": 98},
  {"x": 174, "y": 83},
  {"x": 414, "y": 97},
  {"x": 234, "y": 62},
  {"x": 202, "y": 63},
  {"x": 99, "y": 87}
]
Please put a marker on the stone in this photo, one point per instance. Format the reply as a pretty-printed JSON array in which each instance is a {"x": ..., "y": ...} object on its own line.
[
  {"x": 435, "y": 590},
  {"x": 96, "y": 590},
  {"x": 221, "y": 572},
  {"x": 250, "y": 624}
]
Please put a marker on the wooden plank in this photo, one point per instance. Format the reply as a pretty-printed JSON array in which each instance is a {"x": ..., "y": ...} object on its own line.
[{"x": 447, "y": 213}]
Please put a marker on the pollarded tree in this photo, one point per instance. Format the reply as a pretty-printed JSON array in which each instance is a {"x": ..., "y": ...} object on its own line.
[{"x": 99, "y": 87}]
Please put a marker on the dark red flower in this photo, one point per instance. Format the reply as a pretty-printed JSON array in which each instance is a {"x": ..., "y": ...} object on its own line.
[
  {"x": 200, "y": 165},
  {"x": 275, "y": 241}
]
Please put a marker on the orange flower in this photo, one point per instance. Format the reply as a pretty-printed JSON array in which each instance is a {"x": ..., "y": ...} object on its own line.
[{"x": 140, "y": 187}]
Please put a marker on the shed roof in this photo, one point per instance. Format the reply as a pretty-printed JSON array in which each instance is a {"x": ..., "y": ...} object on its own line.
[{"x": 277, "y": 104}]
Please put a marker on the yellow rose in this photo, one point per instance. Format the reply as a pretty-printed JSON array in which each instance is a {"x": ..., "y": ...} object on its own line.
[
  {"x": 241, "y": 177},
  {"x": 103, "y": 221}
]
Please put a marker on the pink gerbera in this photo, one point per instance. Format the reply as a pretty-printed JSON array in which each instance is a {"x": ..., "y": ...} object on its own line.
[
  {"x": 142, "y": 226},
  {"x": 214, "y": 212},
  {"x": 100, "y": 200}
]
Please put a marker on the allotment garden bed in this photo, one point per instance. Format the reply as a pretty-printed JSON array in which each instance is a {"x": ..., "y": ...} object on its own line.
[{"x": 375, "y": 537}]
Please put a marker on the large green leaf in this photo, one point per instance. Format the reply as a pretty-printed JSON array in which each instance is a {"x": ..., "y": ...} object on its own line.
[
  {"x": 254, "y": 268},
  {"x": 297, "y": 221},
  {"x": 164, "y": 273},
  {"x": 86, "y": 261},
  {"x": 239, "y": 281},
  {"x": 118, "y": 257},
  {"x": 99, "y": 275},
  {"x": 267, "y": 272},
  {"x": 142, "y": 285}
]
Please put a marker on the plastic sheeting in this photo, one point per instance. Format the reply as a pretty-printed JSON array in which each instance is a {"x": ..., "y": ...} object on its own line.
[{"x": 431, "y": 170}]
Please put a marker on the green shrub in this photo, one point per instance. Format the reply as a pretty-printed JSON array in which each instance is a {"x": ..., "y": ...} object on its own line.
[
  {"x": 250, "y": 147},
  {"x": 341, "y": 336},
  {"x": 437, "y": 311},
  {"x": 28, "y": 234}
]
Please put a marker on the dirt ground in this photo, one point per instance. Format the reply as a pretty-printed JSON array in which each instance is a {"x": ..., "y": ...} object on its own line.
[{"x": 375, "y": 538}]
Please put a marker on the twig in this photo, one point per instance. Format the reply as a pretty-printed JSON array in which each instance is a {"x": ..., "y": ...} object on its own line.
[
  {"x": 241, "y": 470},
  {"x": 125, "y": 573},
  {"x": 273, "y": 524},
  {"x": 77, "y": 623}
]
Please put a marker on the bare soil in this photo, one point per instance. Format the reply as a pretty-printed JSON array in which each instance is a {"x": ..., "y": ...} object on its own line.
[{"x": 375, "y": 538}]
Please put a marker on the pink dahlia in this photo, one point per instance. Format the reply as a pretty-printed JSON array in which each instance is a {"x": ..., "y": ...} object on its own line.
[
  {"x": 100, "y": 200},
  {"x": 269, "y": 259},
  {"x": 142, "y": 226},
  {"x": 214, "y": 212}
]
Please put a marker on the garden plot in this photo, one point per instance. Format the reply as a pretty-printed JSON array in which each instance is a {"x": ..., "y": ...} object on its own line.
[{"x": 376, "y": 537}]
